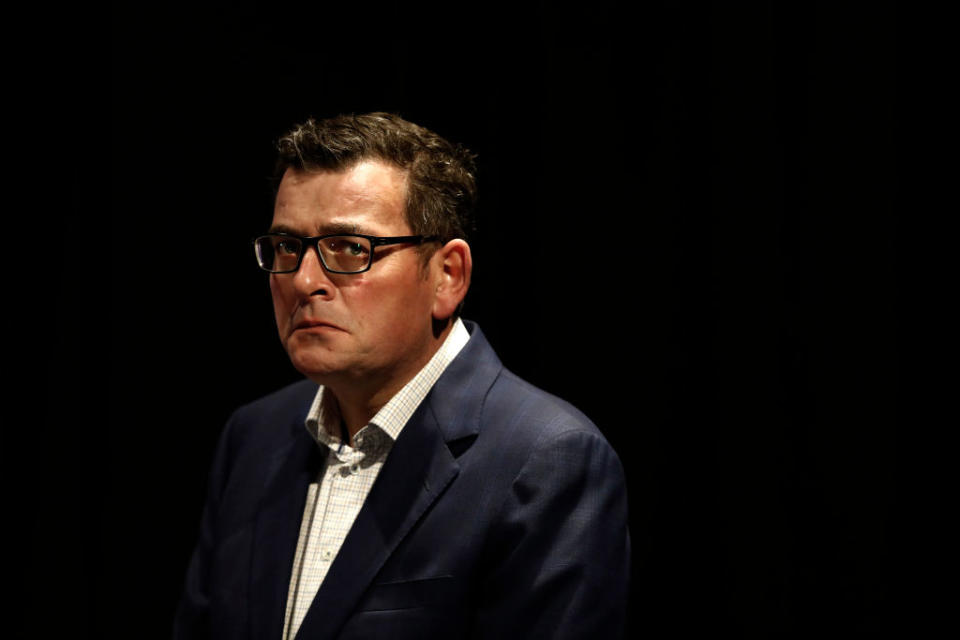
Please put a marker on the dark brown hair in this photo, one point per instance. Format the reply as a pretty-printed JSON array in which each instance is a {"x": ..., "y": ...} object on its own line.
[{"x": 441, "y": 177}]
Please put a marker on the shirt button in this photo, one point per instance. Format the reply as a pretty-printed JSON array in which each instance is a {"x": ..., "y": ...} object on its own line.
[
  {"x": 327, "y": 554},
  {"x": 354, "y": 468}
]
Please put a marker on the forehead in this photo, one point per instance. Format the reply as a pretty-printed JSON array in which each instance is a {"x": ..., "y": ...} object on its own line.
[{"x": 369, "y": 197}]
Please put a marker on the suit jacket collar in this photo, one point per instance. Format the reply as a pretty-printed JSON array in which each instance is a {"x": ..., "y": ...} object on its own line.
[
  {"x": 418, "y": 469},
  {"x": 457, "y": 397}
]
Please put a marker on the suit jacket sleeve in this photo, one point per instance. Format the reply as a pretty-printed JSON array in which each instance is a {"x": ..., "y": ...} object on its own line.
[
  {"x": 559, "y": 559},
  {"x": 192, "y": 616}
]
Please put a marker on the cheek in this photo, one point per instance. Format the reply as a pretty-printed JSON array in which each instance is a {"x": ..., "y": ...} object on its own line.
[
  {"x": 281, "y": 304},
  {"x": 379, "y": 309},
  {"x": 406, "y": 308}
]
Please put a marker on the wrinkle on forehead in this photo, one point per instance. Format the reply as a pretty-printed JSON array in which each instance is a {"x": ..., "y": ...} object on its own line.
[{"x": 369, "y": 187}]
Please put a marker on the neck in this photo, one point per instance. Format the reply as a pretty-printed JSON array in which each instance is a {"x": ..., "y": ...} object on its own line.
[{"x": 360, "y": 400}]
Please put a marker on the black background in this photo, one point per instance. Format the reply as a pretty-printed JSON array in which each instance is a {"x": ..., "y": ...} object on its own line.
[{"x": 729, "y": 174}]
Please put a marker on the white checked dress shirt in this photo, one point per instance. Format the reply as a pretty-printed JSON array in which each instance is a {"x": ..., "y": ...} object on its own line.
[{"x": 334, "y": 500}]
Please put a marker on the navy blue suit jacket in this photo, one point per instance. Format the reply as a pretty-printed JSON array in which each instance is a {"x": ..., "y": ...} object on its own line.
[{"x": 501, "y": 512}]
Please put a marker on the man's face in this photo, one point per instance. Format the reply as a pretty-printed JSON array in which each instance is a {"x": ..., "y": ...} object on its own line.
[{"x": 366, "y": 329}]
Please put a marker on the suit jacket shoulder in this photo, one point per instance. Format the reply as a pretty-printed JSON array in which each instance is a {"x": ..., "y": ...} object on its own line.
[{"x": 273, "y": 417}]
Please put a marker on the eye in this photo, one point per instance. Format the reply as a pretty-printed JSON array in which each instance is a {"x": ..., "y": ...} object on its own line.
[
  {"x": 287, "y": 247},
  {"x": 346, "y": 247}
]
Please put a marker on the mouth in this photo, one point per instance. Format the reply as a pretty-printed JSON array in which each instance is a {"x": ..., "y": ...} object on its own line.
[{"x": 315, "y": 326}]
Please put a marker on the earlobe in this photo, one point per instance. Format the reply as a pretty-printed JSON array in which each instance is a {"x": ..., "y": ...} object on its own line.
[{"x": 456, "y": 265}]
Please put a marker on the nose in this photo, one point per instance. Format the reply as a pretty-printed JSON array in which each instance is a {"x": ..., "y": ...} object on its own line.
[{"x": 311, "y": 279}]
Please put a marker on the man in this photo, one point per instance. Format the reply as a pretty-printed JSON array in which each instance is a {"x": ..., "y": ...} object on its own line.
[{"x": 410, "y": 487}]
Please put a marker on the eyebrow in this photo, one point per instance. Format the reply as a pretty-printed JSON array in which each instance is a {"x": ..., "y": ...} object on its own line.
[{"x": 322, "y": 230}]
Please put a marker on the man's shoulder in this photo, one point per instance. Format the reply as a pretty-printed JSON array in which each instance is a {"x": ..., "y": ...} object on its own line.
[
  {"x": 540, "y": 413},
  {"x": 293, "y": 398},
  {"x": 527, "y": 434},
  {"x": 275, "y": 415},
  {"x": 503, "y": 403}
]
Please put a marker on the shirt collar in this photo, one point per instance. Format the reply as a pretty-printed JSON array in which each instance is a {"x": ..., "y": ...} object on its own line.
[{"x": 324, "y": 420}]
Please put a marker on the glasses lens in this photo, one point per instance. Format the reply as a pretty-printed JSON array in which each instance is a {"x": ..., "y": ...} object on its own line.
[
  {"x": 347, "y": 254},
  {"x": 278, "y": 253}
]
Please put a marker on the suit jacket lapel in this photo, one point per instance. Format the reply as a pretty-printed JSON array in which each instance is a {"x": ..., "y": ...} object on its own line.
[
  {"x": 417, "y": 470},
  {"x": 277, "y": 529},
  {"x": 415, "y": 474}
]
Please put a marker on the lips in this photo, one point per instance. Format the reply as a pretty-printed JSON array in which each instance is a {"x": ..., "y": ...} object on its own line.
[{"x": 314, "y": 324}]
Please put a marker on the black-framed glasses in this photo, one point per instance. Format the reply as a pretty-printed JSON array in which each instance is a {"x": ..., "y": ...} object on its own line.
[{"x": 339, "y": 253}]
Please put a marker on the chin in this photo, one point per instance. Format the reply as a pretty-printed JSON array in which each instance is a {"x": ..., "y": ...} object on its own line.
[
  {"x": 314, "y": 369},
  {"x": 314, "y": 362}
]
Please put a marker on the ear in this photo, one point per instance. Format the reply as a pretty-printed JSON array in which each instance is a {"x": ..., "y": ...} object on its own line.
[{"x": 453, "y": 267}]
